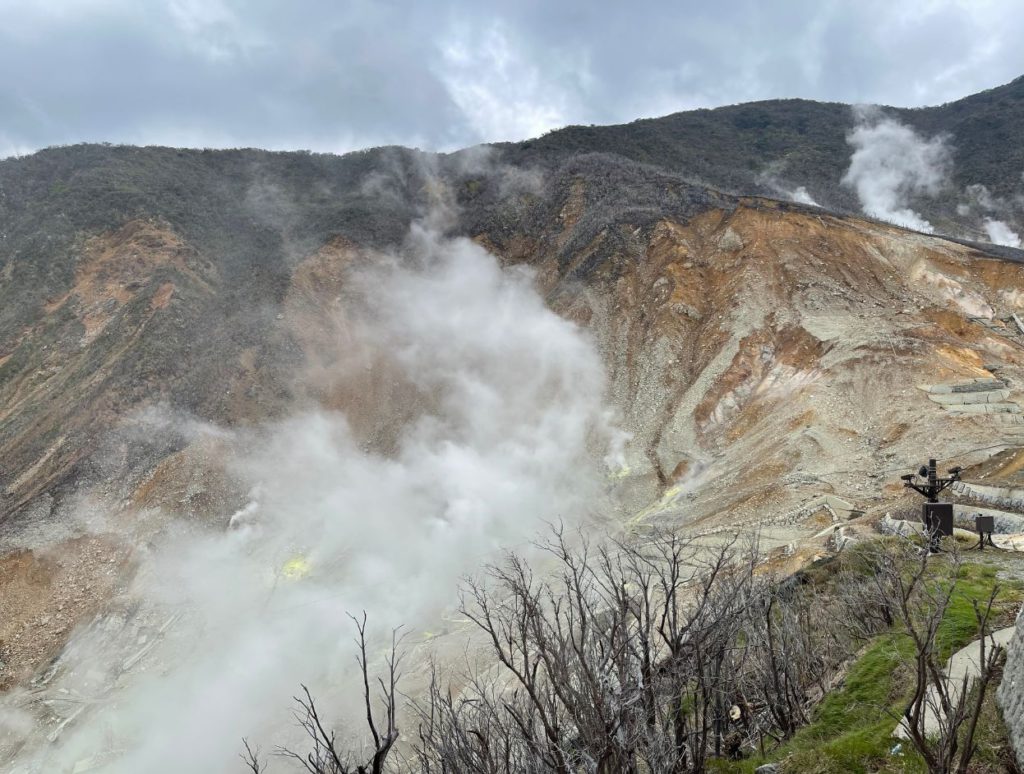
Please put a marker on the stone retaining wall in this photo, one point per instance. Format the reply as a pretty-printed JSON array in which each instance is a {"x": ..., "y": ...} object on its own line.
[
  {"x": 1011, "y": 690},
  {"x": 1012, "y": 497},
  {"x": 1005, "y": 523}
]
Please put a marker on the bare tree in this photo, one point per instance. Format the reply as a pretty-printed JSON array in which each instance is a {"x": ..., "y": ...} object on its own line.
[
  {"x": 657, "y": 653},
  {"x": 471, "y": 731},
  {"x": 789, "y": 655},
  {"x": 251, "y": 758},
  {"x": 623, "y": 661},
  {"x": 325, "y": 755}
]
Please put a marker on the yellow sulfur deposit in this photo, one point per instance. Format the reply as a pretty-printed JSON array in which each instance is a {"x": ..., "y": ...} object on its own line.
[{"x": 295, "y": 568}]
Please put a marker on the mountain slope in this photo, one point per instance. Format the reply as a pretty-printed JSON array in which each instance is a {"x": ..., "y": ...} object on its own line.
[
  {"x": 803, "y": 143},
  {"x": 117, "y": 261},
  {"x": 762, "y": 355}
]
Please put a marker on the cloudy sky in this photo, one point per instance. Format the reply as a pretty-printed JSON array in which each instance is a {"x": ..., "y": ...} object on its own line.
[{"x": 335, "y": 75}]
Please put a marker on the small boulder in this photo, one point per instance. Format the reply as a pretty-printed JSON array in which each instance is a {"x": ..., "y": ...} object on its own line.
[{"x": 730, "y": 241}]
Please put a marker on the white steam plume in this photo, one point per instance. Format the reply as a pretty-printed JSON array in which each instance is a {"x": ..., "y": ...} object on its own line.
[
  {"x": 891, "y": 163},
  {"x": 979, "y": 195},
  {"x": 800, "y": 194},
  {"x": 510, "y": 415},
  {"x": 1001, "y": 234},
  {"x": 771, "y": 177},
  {"x": 978, "y": 199}
]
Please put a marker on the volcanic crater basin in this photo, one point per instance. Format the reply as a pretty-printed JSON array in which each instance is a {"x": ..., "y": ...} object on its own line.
[{"x": 762, "y": 357}]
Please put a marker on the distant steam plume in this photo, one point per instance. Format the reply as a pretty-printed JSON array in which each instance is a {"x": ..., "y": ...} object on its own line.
[
  {"x": 978, "y": 196},
  {"x": 1001, "y": 234},
  {"x": 771, "y": 177},
  {"x": 979, "y": 201},
  {"x": 891, "y": 163},
  {"x": 800, "y": 194}
]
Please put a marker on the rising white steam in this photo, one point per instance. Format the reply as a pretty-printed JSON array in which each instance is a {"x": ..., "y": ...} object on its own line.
[
  {"x": 772, "y": 177},
  {"x": 507, "y": 400},
  {"x": 801, "y": 195},
  {"x": 891, "y": 163},
  {"x": 979, "y": 196},
  {"x": 980, "y": 201},
  {"x": 1001, "y": 234}
]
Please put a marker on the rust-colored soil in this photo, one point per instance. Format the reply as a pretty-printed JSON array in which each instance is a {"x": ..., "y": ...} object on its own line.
[{"x": 44, "y": 595}]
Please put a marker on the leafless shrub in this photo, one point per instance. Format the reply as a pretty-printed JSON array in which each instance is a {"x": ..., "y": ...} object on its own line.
[
  {"x": 643, "y": 655},
  {"x": 791, "y": 658}
]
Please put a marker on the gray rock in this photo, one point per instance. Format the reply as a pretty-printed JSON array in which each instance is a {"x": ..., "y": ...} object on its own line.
[
  {"x": 768, "y": 768},
  {"x": 730, "y": 240},
  {"x": 891, "y": 526},
  {"x": 1010, "y": 694}
]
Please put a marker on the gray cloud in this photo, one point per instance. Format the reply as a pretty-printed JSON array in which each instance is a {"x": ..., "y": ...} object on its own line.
[{"x": 441, "y": 75}]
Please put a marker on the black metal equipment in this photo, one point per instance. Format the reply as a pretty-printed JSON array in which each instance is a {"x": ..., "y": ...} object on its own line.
[
  {"x": 937, "y": 517},
  {"x": 985, "y": 525}
]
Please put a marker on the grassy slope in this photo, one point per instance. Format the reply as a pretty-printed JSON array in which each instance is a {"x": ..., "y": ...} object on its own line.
[{"x": 852, "y": 728}]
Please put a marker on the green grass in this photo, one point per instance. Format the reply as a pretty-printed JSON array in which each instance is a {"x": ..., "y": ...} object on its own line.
[
  {"x": 851, "y": 730},
  {"x": 959, "y": 626}
]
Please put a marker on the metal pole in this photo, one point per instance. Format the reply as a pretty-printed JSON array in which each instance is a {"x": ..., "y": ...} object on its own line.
[
  {"x": 933, "y": 484},
  {"x": 931, "y": 522}
]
